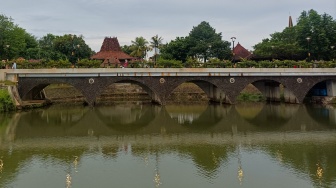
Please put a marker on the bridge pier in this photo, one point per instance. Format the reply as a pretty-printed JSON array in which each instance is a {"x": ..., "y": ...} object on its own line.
[
  {"x": 156, "y": 99},
  {"x": 271, "y": 90},
  {"x": 289, "y": 97},
  {"x": 214, "y": 93},
  {"x": 331, "y": 88}
]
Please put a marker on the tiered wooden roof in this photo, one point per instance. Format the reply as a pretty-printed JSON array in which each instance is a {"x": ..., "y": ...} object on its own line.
[
  {"x": 110, "y": 50},
  {"x": 241, "y": 53}
]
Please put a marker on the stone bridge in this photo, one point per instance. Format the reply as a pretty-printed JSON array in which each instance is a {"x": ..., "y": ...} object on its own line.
[{"x": 222, "y": 85}]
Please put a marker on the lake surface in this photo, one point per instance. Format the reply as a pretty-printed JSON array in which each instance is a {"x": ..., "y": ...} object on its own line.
[{"x": 135, "y": 145}]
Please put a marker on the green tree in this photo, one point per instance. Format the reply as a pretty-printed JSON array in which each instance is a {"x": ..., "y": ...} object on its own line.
[
  {"x": 14, "y": 40},
  {"x": 73, "y": 47},
  {"x": 139, "y": 47},
  {"x": 156, "y": 44},
  {"x": 312, "y": 38},
  {"x": 321, "y": 30},
  {"x": 126, "y": 49},
  {"x": 282, "y": 45},
  {"x": 206, "y": 43},
  {"x": 177, "y": 49},
  {"x": 46, "y": 48}
]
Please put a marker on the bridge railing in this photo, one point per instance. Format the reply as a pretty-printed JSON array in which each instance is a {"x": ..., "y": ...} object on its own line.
[{"x": 13, "y": 74}]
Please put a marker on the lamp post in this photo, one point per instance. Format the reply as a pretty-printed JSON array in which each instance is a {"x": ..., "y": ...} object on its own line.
[
  {"x": 233, "y": 54},
  {"x": 209, "y": 52},
  {"x": 308, "y": 40},
  {"x": 332, "y": 50},
  {"x": 78, "y": 46},
  {"x": 272, "y": 52},
  {"x": 7, "y": 51}
]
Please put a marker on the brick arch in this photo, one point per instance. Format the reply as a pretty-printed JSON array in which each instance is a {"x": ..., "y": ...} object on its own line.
[
  {"x": 143, "y": 82},
  {"x": 29, "y": 87},
  {"x": 171, "y": 83},
  {"x": 298, "y": 86}
]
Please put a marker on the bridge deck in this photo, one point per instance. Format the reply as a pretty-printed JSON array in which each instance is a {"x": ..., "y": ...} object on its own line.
[{"x": 103, "y": 72}]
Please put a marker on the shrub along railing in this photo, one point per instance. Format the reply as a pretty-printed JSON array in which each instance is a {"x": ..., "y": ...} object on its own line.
[{"x": 162, "y": 63}]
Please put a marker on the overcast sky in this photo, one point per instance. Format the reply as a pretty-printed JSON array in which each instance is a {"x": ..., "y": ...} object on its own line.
[{"x": 249, "y": 21}]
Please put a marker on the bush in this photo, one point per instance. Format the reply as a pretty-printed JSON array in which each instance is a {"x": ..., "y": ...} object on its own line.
[
  {"x": 6, "y": 103},
  {"x": 250, "y": 97},
  {"x": 165, "y": 63},
  {"x": 87, "y": 63}
]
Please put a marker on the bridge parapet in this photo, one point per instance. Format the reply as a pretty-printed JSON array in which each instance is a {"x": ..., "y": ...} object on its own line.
[{"x": 8, "y": 74}]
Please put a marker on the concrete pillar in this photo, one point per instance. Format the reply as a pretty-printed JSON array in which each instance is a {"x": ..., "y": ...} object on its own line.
[
  {"x": 156, "y": 99},
  {"x": 270, "y": 90},
  {"x": 274, "y": 93},
  {"x": 289, "y": 96},
  {"x": 220, "y": 96},
  {"x": 214, "y": 94},
  {"x": 331, "y": 88}
]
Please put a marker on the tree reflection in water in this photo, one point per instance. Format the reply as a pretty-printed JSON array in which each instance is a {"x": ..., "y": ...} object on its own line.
[{"x": 216, "y": 137}]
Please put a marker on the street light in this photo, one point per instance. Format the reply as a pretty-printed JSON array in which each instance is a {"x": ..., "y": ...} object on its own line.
[
  {"x": 7, "y": 51},
  {"x": 272, "y": 52},
  {"x": 209, "y": 52},
  {"x": 233, "y": 54},
  {"x": 78, "y": 46},
  {"x": 332, "y": 49},
  {"x": 308, "y": 40},
  {"x": 73, "y": 50}
]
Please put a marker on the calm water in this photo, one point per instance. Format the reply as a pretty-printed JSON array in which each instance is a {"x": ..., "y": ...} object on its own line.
[{"x": 198, "y": 146}]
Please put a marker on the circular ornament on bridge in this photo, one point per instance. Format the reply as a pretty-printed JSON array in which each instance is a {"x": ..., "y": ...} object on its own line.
[
  {"x": 91, "y": 81},
  {"x": 232, "y": 80},
  {"x": 299, "y": 80},
  {"x": 162, "y": 80}
]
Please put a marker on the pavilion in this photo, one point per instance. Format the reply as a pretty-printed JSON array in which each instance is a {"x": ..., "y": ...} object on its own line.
[
  {"x": 111, "y": 54},
  {"x": 241, "y": 53}
]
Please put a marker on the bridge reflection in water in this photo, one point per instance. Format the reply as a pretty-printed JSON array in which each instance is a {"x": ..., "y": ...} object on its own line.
[{"x": 235, "y": 145}]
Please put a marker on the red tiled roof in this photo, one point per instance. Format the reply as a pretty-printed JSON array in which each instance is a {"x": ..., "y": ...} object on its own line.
[
  {"x": 110, "y": 49},
  {"x": 111, "y": 54},
  {"x": 110, "y": 44},
  {"x": 241, "y": 53}
]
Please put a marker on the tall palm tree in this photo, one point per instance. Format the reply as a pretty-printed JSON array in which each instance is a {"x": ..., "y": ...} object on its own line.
[
  {"x": 139, "y": 47},
  {"x": 156, "y": 43}
]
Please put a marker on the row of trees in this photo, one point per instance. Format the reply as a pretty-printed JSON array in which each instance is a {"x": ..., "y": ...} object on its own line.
[
  {"x": 313, "y": 38},
  {"x": 202, "y": 43},
  {"x": 15, "y": 42}
]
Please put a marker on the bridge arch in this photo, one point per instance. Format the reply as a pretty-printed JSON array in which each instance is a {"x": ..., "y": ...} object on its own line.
[
  {"x": 211, "y": 86},
  {"x": 33, "y": 89},
  {"x": 293, "y": 88},
  {"x": 322, "y": 87},
  {"x": 145, "y": 84}
]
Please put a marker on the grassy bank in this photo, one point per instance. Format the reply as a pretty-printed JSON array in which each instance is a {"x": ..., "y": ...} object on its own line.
[{"x": 6, "y": 103}]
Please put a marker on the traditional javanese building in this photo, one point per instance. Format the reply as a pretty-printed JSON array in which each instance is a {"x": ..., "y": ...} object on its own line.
[
  {"x": 241, "y": 53},
  {"x": 111, "y": 54}
]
